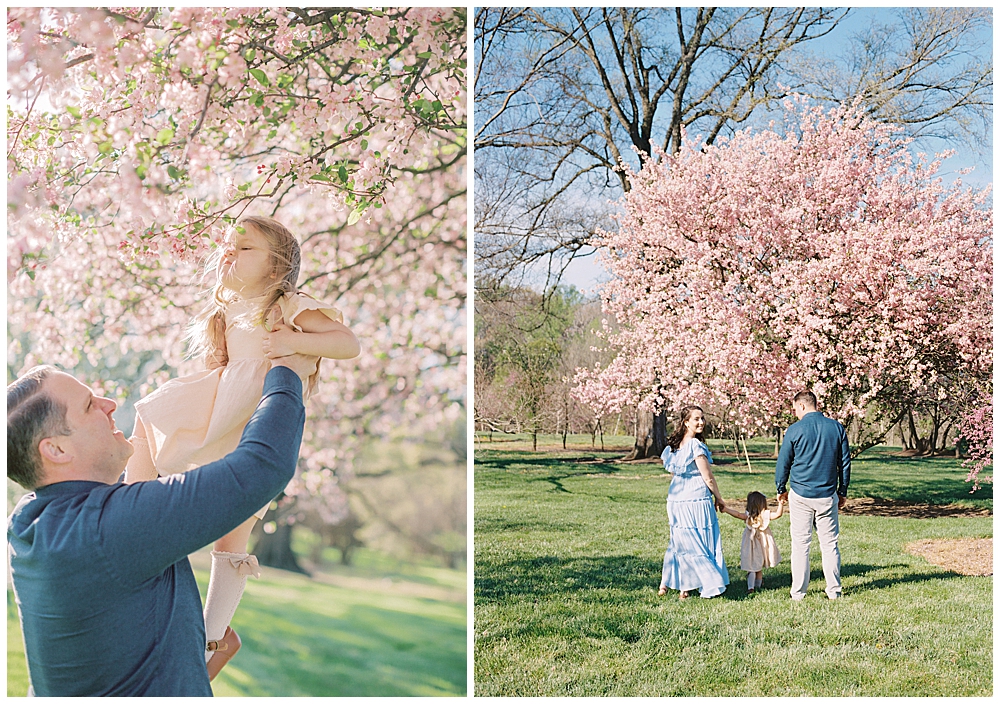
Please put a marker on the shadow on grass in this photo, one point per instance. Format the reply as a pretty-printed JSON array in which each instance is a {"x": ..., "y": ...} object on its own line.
[
  {"x": 548, "y": 576},
  {"x": 291, "y": 652},
  {"x": 541, "y": 461}
]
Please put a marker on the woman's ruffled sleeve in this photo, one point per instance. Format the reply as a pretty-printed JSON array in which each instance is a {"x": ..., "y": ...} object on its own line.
[
  {"x": 702, "y": 449},
  {"x": 667, "y": 456},
  {"x": 293, "y": 305}
]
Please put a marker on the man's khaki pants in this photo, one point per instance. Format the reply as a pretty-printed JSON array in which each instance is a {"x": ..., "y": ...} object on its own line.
[{"x": 803, "y": 515}]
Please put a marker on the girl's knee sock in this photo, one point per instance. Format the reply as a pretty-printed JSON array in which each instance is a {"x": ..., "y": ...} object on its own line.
[
  {"x": 751, "y": 583},
  {"x": 225, "y": 588},
  {"x": 140, "y": 466},
  {"x": 760, "y": 581}
]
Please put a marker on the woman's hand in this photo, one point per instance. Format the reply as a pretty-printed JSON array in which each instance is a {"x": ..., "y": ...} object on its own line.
[
  {"x": 278, "y": 342},
  {"x": 720, "y": 505}
]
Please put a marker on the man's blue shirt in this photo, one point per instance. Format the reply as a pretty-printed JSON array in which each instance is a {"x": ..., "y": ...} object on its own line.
[
  {"x": 816, "y": 456},
  {"x": 107, "y": 599}
]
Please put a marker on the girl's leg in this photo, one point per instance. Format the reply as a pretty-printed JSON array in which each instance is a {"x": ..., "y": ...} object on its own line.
[
  {"x": 231, "y": 565},
  {"x": 759, "y": 579},
  {"x": 140, "y": 467},
  {"x": 751, "y": 581}
]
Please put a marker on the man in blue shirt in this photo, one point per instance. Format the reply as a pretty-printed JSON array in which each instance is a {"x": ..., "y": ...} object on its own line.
[
  {"x": 107, "y": 599},
  {"x": 816, "y": 456}
]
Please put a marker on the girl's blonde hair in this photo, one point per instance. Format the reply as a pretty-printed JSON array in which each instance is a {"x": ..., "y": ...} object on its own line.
[
  {"x": 206, "y": 334},
  {"x": 756, "y": 503}
]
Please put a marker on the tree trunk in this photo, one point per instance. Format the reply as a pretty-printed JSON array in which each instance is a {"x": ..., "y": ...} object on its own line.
[
  {"x": 275, "y": 550},
  {"x": 650, "y": 435},
  {"x": 777, "y": 441}
]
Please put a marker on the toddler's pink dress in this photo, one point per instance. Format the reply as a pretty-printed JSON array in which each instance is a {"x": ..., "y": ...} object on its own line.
[
  {"x": 758, "y": 549},
  {"x": 199, "y": 418}
]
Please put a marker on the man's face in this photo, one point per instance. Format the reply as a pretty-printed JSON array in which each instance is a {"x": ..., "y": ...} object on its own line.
[
  {"x": 801, "y": 409},
  {"x": 95, "y": 445}
]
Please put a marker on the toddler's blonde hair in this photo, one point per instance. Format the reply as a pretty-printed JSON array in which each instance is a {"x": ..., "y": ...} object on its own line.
[{"x": 206, "y": 335}]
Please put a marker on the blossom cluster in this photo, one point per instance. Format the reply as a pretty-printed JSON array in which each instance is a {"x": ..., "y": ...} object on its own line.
[
  {"x": 137, "y": 136},
  {"x": 823, "y": 256},
  {"x": 976, "y": 428}
]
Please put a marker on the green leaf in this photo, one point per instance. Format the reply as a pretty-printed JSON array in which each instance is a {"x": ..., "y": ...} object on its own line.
[
  {"x": 174, "y": 172},
  {"x": 75, "y": 112},
  {"x": 364, "y": 143},
  {"x": 251, "y": 54},
  {"x": 354, "y": 217},
  {"x": 342, "y": 172},
  {"x": 260, "y": 76},
  {"x": 164, "y": 136},
  {"x": 244, "y": 188},
  {"x": 140, "y": 171},
  {"x": 425, "y": 55}
]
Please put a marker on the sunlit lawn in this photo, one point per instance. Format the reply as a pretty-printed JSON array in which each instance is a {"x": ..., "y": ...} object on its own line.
[
  {"x": 568, "y": 557},
  {"x": 379, "y": 628}
]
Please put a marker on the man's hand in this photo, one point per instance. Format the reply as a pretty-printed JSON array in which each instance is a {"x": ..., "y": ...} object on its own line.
[
  {"x": 841, "y": 502},
  {"x": 783, "y": 497},
  {"x": 301, "y": 364},
  {"x": 278, "y": 342}
]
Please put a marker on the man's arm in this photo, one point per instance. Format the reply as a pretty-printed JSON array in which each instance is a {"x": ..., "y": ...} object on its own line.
[
  {"x": 783, "y": 467},
  {"x": 146, "y": 527},
  {"x": 844, "y": 475}
]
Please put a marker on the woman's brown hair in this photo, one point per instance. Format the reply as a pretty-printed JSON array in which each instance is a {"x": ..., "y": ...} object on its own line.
[{"x": 675, "y": 440}]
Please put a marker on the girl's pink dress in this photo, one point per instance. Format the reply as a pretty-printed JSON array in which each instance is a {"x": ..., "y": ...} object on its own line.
[
  {"x": 199, "y": 418},
  {"x": 758, "y": 549}
]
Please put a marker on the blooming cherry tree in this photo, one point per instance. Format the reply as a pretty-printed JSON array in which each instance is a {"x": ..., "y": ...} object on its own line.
[
  {"x": 824, "y": 257},
  {"x": 137, "y": 136},
  {"x": 977, "y": 429}
]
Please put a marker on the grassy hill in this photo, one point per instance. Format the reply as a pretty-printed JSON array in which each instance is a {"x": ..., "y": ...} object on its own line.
[{"x": 378, "y": 628}]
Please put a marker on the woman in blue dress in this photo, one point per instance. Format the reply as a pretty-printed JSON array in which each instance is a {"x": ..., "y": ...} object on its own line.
[{"x": 694, "y": 558}]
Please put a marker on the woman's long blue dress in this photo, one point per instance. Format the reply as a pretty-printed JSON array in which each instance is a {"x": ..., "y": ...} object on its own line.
[{"x": 694, "y": 558}]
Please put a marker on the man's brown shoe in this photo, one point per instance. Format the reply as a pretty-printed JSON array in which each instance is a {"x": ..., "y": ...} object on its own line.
[{"x": 222, "y": 652}]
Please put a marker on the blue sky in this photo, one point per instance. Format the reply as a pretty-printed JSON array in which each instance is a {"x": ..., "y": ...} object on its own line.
[{"x": 586, "y": 274}]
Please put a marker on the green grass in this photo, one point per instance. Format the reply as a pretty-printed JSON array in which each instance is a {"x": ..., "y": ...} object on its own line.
[
  {"x": 382, "y": 628},
  {"x": 568, "y": 556}
]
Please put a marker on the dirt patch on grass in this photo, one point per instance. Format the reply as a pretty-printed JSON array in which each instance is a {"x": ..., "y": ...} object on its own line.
[
  {"x": 968, "y": 556},
  {"x": 905, "y": 509}
]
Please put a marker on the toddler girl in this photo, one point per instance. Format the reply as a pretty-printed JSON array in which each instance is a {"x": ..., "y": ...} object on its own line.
[
  {"x": 256, "y": 315},
  {"x": 758, "y": 549}
]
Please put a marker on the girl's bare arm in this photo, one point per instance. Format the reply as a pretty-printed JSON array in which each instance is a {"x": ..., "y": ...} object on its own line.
[
  {"x": 736, "y": 514},
  {"x": 779, "y": 512},
  {"x": 320, "y": 337}
]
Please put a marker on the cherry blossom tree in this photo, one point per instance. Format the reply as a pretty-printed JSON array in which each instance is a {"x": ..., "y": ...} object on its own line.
[
  {"x": 137, "y": 136},
  {"x": 827, "y": 256},
  {"x": 977, "y": 430}
]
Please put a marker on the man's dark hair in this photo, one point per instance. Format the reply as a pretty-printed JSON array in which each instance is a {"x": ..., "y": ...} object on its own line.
[
  {"x": 31, "y": 416},
  {"x": 807, "y": 397}
]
